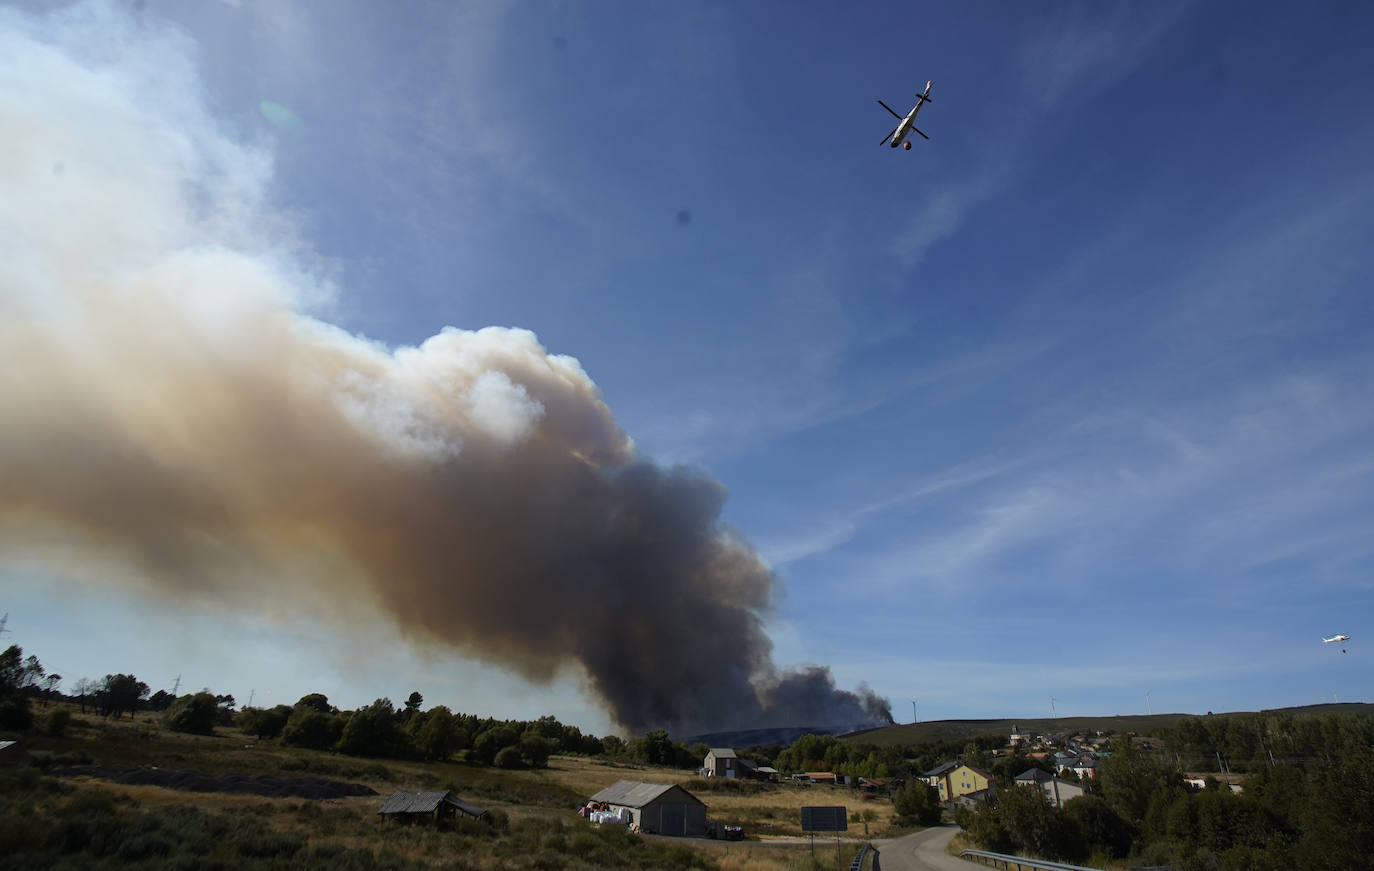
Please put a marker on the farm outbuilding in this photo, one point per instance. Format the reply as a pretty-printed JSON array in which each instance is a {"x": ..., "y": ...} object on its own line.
[
  {"x": 720, "y": 762},
  {"x": 12, "y": 753},
  {"x": 438, "y": 807},
  {"x": 657, "y": 808}
]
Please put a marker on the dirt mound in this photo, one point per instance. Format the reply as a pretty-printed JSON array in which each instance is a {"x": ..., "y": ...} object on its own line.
[{"x": 196, "y": 781}]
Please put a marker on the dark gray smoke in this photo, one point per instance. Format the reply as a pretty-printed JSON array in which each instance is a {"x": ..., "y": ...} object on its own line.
[{"x": 174, "y": 418}]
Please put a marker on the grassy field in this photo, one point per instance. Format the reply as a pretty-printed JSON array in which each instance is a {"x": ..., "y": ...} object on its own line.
[{"x": 91, "y": 823}]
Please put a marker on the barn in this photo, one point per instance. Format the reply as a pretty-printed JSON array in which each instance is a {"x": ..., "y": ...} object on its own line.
[
  {"x": 437, "y": 807},
  {"x": 657, "y": 808},
  {"x": 11, "y": 753}
]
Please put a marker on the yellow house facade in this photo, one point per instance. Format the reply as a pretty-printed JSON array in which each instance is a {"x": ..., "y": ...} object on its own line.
[{"x": 961, "y": 780}]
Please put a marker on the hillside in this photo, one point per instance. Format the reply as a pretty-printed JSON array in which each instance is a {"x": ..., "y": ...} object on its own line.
[
  {"x": 129, "y": 793},
  {"x": 935, "y": 731}
]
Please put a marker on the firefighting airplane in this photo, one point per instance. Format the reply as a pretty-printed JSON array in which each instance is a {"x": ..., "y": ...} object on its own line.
[
  {"x": 1335, "y": 638},
  {"x": 899, "y": 133}
]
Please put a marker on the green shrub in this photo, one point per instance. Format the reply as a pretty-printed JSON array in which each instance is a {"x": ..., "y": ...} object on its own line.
[
  {"x": 918, "y": 802},
  {"x": 54, "y": 723},
  {"x": 15, "y": 713},
  {"x": 307, "y": 727},
  {"x": 21, "y": 780},
  {"x": 509, "y": 757},
  {"x": 146, "y": 845},
  {"x": 88, "y": 803},
  {"x": 18, "y": 835},
  {"x": 196, "y": 714}
]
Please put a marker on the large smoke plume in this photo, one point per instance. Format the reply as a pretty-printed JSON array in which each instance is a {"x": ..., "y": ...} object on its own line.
[{"x": 168, "y": 405}]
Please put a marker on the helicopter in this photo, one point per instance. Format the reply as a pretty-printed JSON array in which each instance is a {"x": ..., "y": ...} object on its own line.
[
  {"x": 899, "y": 133},
  {"x": 1335, "y": 638}
]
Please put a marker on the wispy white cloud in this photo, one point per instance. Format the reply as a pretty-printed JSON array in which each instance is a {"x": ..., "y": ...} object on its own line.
[
  {"x": 944, "y": 211},
  {"x": 1280, "y": 470},
  {"x": 1072, "y": 56},
  {"x": 1076, "y": 53},
  {"x": 1018, "y": 678},
  {"x": 755, "y": 401},
  {"x": 824, "y": 534},
  {"x": 1213, "y": 421}
]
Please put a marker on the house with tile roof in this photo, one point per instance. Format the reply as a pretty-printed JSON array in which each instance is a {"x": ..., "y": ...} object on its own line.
[{"x": 1056, "y": 789}]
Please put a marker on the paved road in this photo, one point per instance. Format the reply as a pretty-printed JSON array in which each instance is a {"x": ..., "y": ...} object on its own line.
[{"x": 923, "y": 851}]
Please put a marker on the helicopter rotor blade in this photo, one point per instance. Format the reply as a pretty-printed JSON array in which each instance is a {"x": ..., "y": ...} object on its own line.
[
  {"x": 889, "y": 108},
  {"x": 923, "y": 136},
  {"x": 889, "y": 136}
]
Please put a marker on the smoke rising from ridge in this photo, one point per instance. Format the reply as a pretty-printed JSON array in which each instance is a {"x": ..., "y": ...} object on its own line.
[{"x": 170, "y": 405}]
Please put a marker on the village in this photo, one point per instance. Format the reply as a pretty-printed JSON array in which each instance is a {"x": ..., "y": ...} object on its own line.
[{"x": 1064, "y": 765}]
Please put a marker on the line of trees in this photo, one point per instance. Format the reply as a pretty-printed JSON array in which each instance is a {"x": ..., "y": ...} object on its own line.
[
  {"x": 1309, "y": 813},
  {"x": 886, "y": 761},
  {"x": 1253, "y": 742},
  {"x": 381, "y": 730}
]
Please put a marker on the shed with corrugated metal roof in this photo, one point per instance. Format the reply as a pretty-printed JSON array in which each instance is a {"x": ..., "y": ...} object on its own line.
[
  {"x": 657, "y": 808},
  {"x": 13, "y": 753},
  {"x": 439, "y": 807}
]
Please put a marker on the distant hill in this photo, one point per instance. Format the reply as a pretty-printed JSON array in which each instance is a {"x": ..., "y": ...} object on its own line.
[
  {"x": 936, "y": 731},
  {"x": 782, "y": 736}
]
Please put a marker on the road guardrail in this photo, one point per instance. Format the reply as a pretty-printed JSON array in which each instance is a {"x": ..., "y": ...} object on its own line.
[{"x": 1019, "y": 863}]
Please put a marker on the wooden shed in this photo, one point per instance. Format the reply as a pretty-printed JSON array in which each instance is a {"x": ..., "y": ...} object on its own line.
[
  {"x": 721, "y": 762},
  {"x": 13, "y": 754},
  {"x": 439, "y": 808},
  {"x": 657, "y": 808}
]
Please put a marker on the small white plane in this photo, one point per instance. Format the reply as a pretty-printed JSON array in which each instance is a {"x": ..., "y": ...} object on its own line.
[
  {"x": 899, "y": 133},
  {"x": 1334, "y": 638}
]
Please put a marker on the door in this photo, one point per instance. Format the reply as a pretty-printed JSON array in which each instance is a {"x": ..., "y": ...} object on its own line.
[{"x": 674, "y": 819}]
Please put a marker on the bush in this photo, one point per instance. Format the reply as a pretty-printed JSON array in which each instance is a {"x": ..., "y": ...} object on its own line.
[
  {"x": 54, "y": 723},
  {"x": 15, "y": 713},
  {"x": 509, "y": 757},
  {"x": 373, "y": 731},
  {"x": 918, "y": 802},
  {"x": 307, "y": 727},
  {"x": 263, "y": 722},
  {"x": 535, "y": 750},
  {"x": 196, "y": 714},
  {"x": 20, "y": 780}
]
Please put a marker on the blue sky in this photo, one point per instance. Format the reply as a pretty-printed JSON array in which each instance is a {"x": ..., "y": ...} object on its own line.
[{"x": 1071, "y": 401}]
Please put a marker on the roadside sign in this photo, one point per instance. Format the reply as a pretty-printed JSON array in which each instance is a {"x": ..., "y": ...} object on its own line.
[{"x": 825, "y": 819}]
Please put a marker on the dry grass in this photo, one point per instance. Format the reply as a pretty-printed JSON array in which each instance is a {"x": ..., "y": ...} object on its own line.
[
  {"x": 747, "y": 856},
  {"x": 550, "y": 795},
  {"x": 959, "y": 843},
  {"x": 774, "y": 810}
]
